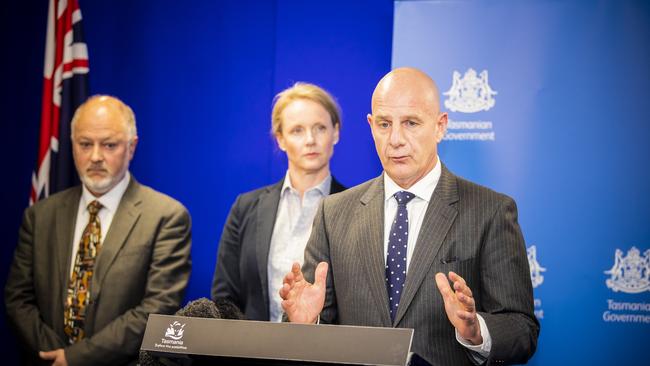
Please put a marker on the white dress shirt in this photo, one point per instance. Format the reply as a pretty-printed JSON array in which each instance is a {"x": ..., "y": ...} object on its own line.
[
  {"x": 417, "y": 208},
  {"x": 109, "y": 200},
  {"x": 291, "y": 231}
]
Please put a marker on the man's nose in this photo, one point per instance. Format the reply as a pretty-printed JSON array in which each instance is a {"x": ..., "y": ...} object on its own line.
[
  {"x": 96, "y": 155},
  {"x": 396, "y": 138}
]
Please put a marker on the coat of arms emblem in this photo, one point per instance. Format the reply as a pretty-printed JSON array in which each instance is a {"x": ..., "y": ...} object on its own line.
[
  {"x": 535, "y": 268},
  {"x": 630, "y": 273},
  {"x": 471, "y": 93}
]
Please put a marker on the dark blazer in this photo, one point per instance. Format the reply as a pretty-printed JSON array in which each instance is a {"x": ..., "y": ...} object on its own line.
[
  {"x": 468, "y": 229},
  {"x": 142, "y": 268},
  {"x": 241, "y": 270}
]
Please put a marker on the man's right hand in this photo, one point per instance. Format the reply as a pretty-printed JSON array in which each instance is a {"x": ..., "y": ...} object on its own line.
[
  {"x": 303, "y": 301},
  {"x": 57, "y": 357}
]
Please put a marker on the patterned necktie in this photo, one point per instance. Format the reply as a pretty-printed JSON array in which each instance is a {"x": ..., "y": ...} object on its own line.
[
  {"x": 82, "y": 274},
  {"x": 396, "y": 257}
]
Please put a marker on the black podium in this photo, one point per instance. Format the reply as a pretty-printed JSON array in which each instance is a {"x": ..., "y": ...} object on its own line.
[{"x": 177, "y": 340}]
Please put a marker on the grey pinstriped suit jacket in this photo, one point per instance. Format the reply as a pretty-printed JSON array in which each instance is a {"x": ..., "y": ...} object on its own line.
[{"x": 468, "y": 229}]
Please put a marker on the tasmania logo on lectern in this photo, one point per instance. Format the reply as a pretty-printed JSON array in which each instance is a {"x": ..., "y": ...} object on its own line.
[
  {"x": 175, "y": 331},
  {"x": 173, "y": 339},
  {"x": 470, "y": 93},
  {"x": 630, "y": 274}
]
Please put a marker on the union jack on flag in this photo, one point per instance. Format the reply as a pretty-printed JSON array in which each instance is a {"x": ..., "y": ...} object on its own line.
[{"x": 65, "y": 87}]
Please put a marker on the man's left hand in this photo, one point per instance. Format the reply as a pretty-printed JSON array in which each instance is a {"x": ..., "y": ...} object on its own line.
[
  {"x": 460, "y": 306},
  {"x": 57, "y": 357}
]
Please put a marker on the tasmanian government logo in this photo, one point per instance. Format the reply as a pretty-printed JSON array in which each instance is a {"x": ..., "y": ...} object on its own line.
[
  {"x": 536, "y": 278},
  {"x": 175, "y": 331},
  {"x": 535, "y": 268},
  {"x": 630, "y": 273},
  {"x": 471, "y": 93}
]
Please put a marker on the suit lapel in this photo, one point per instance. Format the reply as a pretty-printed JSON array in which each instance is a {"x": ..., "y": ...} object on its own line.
[
  {"x": 66, "y": 217},
  {"x": 436, "y": 223},
  {"x": 266, "y": 214},
  {"x": 125, "y": 217},
  {"x": 371, "y": 245}
]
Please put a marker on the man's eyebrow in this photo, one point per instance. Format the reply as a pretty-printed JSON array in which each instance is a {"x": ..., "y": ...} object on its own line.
[{"x": 413, "y": 117}]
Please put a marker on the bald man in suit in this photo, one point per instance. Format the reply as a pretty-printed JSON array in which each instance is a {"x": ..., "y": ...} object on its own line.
[
  {"x": 419, "y": 247},
  {"x": 93, "y": 261}
]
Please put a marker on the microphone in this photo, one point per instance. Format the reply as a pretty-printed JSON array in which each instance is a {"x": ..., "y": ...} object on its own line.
[{"x": 199, "y": 308}]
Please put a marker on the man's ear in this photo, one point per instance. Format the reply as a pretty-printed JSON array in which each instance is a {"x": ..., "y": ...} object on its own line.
[
  {"x": 441, "y": 126},
  {"x": 132, "y": 145}
]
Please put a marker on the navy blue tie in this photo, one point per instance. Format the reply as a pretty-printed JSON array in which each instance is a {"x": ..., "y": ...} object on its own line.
[{"x": 396, "y": 257}]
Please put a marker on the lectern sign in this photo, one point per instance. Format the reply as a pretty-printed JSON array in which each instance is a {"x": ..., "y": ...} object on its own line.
[{"x": 201, "y": 338}]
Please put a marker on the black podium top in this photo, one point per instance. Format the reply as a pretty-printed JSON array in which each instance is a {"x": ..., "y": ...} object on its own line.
[{"x": 214, "y": 341}]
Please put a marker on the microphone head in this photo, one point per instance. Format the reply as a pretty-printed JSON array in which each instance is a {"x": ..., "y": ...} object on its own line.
[
  {"x": 199, "y": 308},
  {"x": 228, "y": 309}
]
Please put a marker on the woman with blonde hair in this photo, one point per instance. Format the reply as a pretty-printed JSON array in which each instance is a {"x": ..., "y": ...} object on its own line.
[{"x": 268, "y": 228}]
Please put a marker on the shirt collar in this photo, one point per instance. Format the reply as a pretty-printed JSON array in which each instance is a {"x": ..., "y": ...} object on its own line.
[
  {"x": 111, "y": 199},
  {"x": 323, "y": 187},
  {"x": 423, "y": 188}
]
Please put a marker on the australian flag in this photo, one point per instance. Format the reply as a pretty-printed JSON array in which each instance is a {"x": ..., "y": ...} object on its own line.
[{"x": 65, "y": 87}]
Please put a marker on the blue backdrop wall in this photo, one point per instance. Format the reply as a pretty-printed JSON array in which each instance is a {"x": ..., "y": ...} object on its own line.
[
  {"x": 556, "y": 116},
  {"x": 566, "y": 136}
]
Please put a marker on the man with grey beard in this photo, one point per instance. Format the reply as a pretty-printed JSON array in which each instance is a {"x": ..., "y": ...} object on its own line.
[{"x": 93, "y": 261}]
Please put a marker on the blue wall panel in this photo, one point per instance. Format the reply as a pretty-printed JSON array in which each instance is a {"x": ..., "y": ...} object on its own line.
[{"x": 571, "y": 129}]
